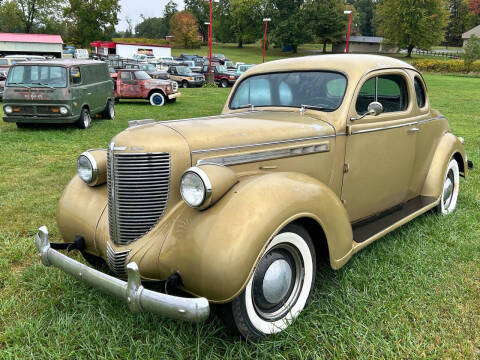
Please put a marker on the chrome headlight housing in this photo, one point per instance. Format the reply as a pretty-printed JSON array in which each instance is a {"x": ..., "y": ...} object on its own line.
[
  {"x": 63, "y": 110},
  {"x": 87, "y": 168},
  {"x": 8, "y": 109},
  {"x": 195, "y": 187}
]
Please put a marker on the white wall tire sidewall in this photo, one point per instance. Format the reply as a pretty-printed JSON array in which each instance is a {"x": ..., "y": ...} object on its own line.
[
  {"x": 155, "y": 94},
  {"x": 86, "y": 119},
  {"x": 111, "y": 109},
  {"x": 267, "y": 327},
  {"x": 453, "y": 165}
]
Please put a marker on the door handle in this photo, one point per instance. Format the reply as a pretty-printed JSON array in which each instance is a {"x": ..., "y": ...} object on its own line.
[{"x": 413, "y": 130}]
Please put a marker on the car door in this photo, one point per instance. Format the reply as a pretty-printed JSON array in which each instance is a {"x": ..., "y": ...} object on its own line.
[
  {"x": 380, "y": 150},
  {"x": 128, "y": 85}
]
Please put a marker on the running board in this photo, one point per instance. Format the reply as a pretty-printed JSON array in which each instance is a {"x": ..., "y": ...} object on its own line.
[{"x": 368, "y": 228}]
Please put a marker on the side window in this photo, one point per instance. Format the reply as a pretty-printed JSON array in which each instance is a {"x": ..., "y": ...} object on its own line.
[
  {"x": 75, "y": 75},
  {"x": 392, "y": 93},
  {"x": 420, "y": 93},
  {"x": 125, "y": 75},
  {"x": 366, "y": 96},
  {"x": 389, "y": 90}
]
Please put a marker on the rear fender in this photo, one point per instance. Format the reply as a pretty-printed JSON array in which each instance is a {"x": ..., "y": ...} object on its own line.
[
  {"x": 216, "y": 250},
  {"x": 448, "y": 147}
]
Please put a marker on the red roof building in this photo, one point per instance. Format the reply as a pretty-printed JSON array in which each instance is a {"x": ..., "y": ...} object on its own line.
[{"x": 31, "y": 44}]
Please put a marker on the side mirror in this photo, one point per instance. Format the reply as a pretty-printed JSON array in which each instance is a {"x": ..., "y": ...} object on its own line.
[{"x": 374, "y": 108}]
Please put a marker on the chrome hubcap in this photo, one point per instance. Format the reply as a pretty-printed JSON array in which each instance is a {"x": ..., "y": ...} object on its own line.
[
  {"x": 277, "y": 280},
  {"x": 448, "y": 189}
]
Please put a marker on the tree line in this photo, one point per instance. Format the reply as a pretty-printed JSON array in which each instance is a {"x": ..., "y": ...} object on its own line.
[{"x": 404, "y": 23}]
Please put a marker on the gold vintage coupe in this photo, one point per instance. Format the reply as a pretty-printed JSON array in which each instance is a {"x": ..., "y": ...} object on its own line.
[{"x": 318, "y": 152}]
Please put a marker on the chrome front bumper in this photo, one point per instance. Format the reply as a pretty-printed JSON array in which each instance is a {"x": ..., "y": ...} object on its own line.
[
  {"x": 174, "y": 95},
  {"x": 138, "y": 298}
]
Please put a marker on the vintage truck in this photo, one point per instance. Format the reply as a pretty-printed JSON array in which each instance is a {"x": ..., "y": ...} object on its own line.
[
  {"x": 222, "y": 76},
  {"x": 312, "y": 156},
  {"x": 137, "y": 84}
]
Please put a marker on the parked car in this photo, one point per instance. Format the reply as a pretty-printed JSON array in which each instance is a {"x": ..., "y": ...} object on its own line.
[
  {"x": 185, "y": 77},
  {"x": 323, "y": 152},
  {"x": 112, "y": 72},
  {"x": 137, "y": 84},
  {"x": 58, "y": 91},
  {"x": 219, "y": 58},
  {"x": 5, "y": 63},
  {"x": 81, "y": 54},
  {"x": 222, "y": 76},
  {"x": 191, "y": 65},
  {"x": 242, "y": 68},
  {"x": 230, "y": 65},
  {"x": 150, "y": 69}
]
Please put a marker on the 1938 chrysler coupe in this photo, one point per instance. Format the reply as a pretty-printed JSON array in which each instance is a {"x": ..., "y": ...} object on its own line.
[{"x": 317, "y": 152}]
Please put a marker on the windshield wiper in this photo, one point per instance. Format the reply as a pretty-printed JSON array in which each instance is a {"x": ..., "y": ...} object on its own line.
[
  {"x": 19, "y": 84},
  {"x": 320, "y": 108},
  {"x": 43, "y": 84}
]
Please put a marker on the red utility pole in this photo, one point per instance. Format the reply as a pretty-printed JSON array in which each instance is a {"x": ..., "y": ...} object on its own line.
[
  {"x": 349, "y": 26},
  {"x": 266, "y": 20},
  {"x": 210, "y": 40}
]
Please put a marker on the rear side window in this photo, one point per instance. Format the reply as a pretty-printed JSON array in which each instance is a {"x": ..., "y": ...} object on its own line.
[
  {"x": 125, "y": 75},
  {"x": 75, "y": 75},
  {"x": 3, "y": 62},
  {"x": 419, "y": 92},
  {"x": 388, "y": 90}
]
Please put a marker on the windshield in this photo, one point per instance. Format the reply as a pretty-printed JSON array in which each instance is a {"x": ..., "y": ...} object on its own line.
[
  {"x": 149, "y": 67},
  {"x": 35, "y": 75},
  {"x": 221, "y": 68},
  {"x": 141, "y": 75},
  {"x": 323, "y": 90},
  {"x": 183, "y": 70},
  {"x": 243, "y": 68}
]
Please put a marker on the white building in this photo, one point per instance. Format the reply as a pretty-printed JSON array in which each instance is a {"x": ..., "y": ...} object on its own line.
[
  {"x": 127, "y": 50},
  {"x": 31, "y": 44}
]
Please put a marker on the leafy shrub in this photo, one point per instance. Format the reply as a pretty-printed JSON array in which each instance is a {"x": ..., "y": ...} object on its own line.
[
  {"x": 472, "y": 51},
  {"x": 450, "y": 66}
]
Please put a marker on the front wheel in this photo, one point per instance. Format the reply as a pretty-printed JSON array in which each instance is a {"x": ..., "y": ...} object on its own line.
[
  {"x": 85, "y": 120},
  {"x": 279, "y": 288},
  {"x": 157, "y": 99},
  {"x": 224, "y": 83},
  {"x": 451, "y": 187},
  {"x": 184, "y": 84}
]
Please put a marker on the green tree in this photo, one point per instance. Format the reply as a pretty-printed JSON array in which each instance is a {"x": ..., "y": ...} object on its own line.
[
  {"x": 461, "y": 20},
  {"x": 411, "y": 23},
  {"x": 152, "y": 28},
  {"x": 200, "y": 9},
  {"x": 472, "y": 51},
  {"x": 36, "y": 12},
  {"x": 290, "y": 24},
  {"x": 9, "y": 19},
  {"x": 366, "y": 12},
  {"x": 328, "y": 20},
  {"x": 169, "y": 10},
  {"x": 246, "y": 20},
  {"x": 223, "y": 24},
  {"x": 91, "y": 20}
]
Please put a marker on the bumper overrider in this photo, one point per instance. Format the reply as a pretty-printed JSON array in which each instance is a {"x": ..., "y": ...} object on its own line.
[
  {"x": 174, "y": 95},
  {"x": 131, "y": 291}
]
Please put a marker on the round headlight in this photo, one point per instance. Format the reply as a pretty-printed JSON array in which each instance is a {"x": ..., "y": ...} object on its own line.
[
  {"x": 87, "y": 168},
  {"x": 195, "y": 187},
  {"x": 8, "y": 109},
  {"x": 63, "y": 110}
]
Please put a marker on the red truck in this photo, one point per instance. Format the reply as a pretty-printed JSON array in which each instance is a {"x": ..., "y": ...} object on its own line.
[{"x": 137, "y": 84}]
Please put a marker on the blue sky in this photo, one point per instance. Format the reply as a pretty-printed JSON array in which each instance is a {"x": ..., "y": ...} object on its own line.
[{"x": 133, "y": 9}]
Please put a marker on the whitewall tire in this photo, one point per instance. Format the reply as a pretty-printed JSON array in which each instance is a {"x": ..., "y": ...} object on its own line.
[
  {"x": 157, "y": 99},
  {"x": 279, "y": 288},
  {"x": 450, "y": 190}
]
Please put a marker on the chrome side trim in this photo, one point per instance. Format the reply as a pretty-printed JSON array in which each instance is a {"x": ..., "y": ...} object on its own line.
[
  {"x": 265, "y": 155},
  {"x": 397, "y": 126},
  {"x": 277, "y": 142},
  {"x": 132, "y": 292}
]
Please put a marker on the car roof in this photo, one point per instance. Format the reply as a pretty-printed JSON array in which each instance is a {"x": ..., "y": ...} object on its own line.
[
  {"x": 346, "y": 63},
  {"x": 62, "y": 62}
]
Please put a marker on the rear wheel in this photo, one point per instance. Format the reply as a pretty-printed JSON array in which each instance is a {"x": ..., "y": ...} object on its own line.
[
  {"x": 279, "y": 288},
  {"x": 157, "y": 99},
  {"x": 451, "y": 187},
  {"x": 109, "y": 112},
  {"x": 85, "y": 120}
]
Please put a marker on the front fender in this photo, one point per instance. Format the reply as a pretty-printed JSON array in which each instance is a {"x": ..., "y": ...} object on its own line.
[
  {"x": 215, "y": 251},
  {"x": 448, "y": 147}
]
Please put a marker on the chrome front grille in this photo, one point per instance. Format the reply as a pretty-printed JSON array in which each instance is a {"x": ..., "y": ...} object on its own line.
[
  {"x": 175, "y": 86},
  {"x": 116, "y": 261},
  {"x": 138, "y": 186}
]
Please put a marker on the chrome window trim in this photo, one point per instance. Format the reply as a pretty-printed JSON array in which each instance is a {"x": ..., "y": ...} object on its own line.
[
  {"x": 266, "y": 155},
  {"x": 277, "y": 142},
  {"x": 397, "y": 126}
]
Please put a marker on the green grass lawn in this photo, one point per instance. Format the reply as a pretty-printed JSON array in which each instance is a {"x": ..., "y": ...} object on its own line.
[{"x": 413, "y": 294}]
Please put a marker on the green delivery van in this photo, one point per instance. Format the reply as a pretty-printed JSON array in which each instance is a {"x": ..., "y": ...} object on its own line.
[{"x": 58, "y": 91}]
